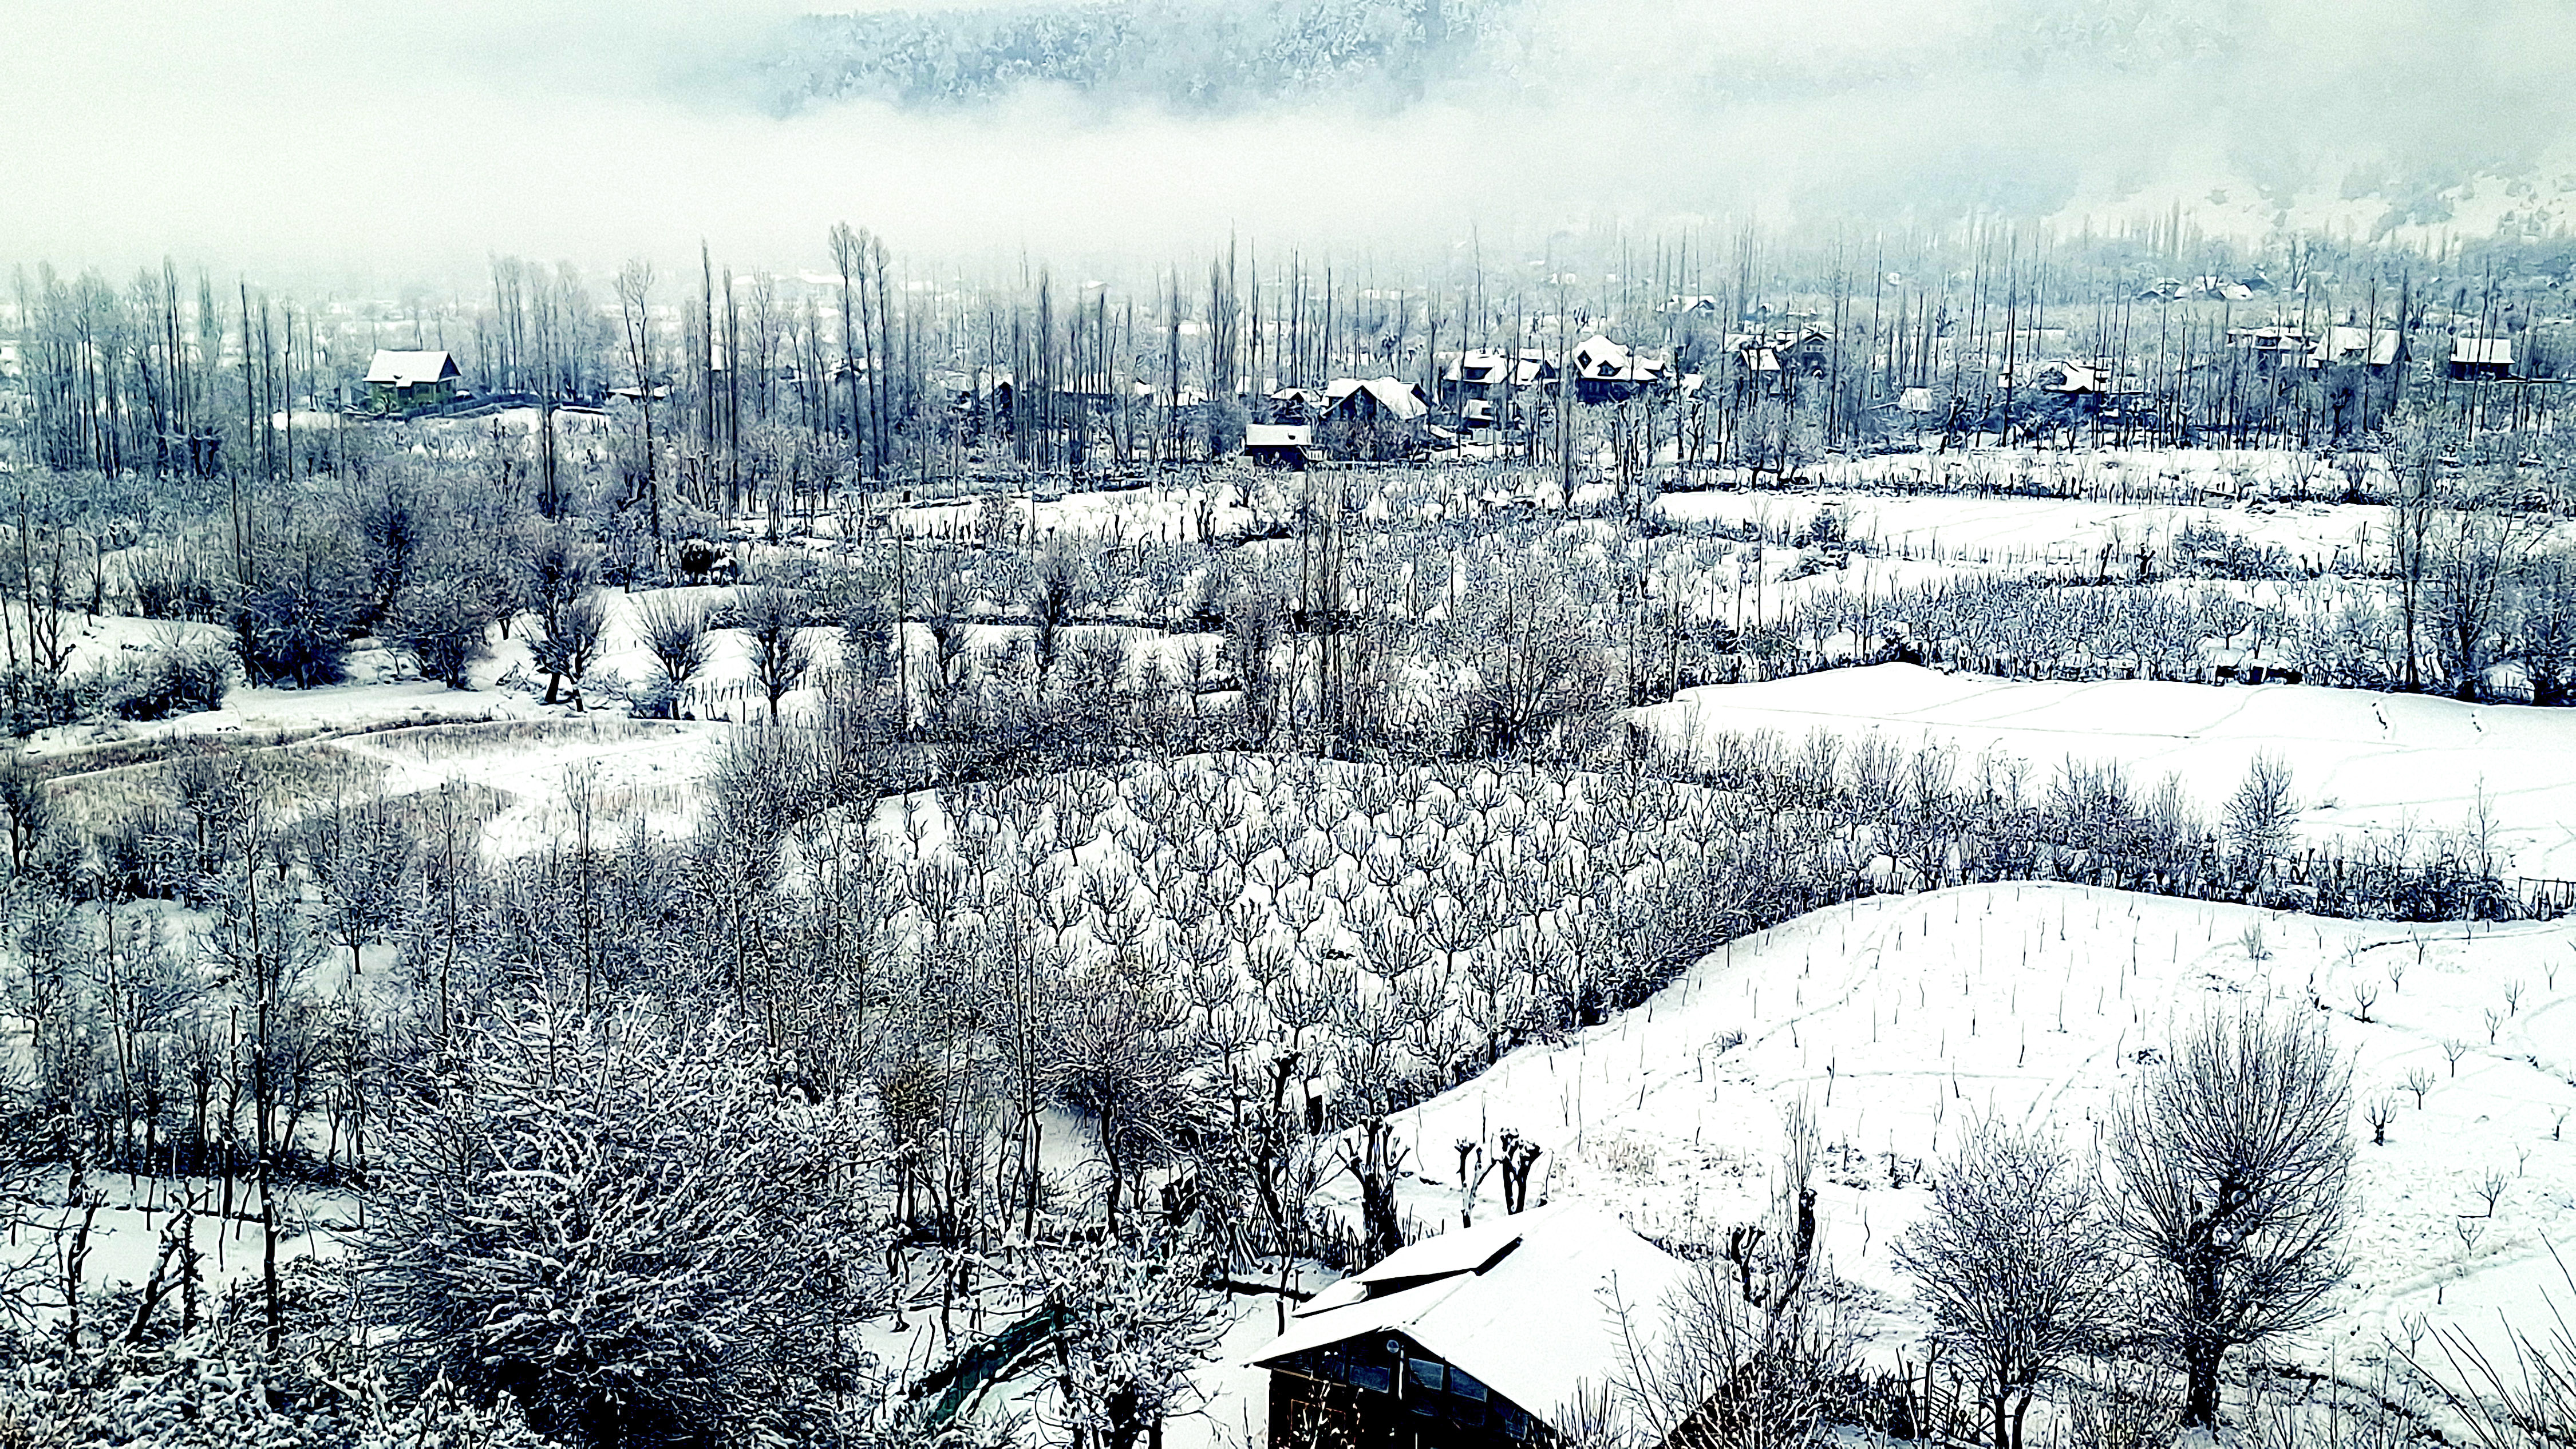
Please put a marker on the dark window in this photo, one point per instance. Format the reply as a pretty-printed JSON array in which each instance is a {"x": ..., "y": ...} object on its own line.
[
  {"x": 1375, "y": 1377},
  {"x": 1465, "y": 1387},
  {"x": 1423, "y": 1381}
]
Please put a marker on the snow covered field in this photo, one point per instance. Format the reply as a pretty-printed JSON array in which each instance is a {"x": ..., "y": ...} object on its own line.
[
  {"x": 1900, "y": 1019},
  {"x": 2361, "y": 761}
]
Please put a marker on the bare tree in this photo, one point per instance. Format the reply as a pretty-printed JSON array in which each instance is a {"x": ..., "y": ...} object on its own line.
[
  {"x": 2477, "y": 556},
  {"x": 773, "y": 626},
  {"x": 2259, "y": 816},
  {"x": 635, "y": 309},
  {"x": 568, "y": 642},
  {"x": 2232, "y": 1157},
  {"x": 674, "y": 632},
  {"x": 2014, "y": 1260},
  {"x": 1746, "y": 1353},
  {"x": 1058, "y": 585}
]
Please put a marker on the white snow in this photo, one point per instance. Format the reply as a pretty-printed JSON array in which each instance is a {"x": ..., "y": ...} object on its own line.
[{"x": 2360, "y": 761}]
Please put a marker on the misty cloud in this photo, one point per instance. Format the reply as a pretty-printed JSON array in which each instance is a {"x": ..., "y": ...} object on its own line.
[{"x": 368, "y": 146}]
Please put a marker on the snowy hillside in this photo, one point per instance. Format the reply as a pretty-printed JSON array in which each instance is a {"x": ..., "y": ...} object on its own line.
[
  {"x": 1899, "y": 1020},
  {"x": 2361, "y": 762}
]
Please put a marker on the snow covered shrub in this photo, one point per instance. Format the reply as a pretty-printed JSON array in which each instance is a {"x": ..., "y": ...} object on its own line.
[
  {"x": 1132, "y": 1325},
  {"x": 630, "y": 1227},
  {"x": 440, "y": 625},
  {"x": 294, "y": 632},
  {"x": 33, "y": 697},
  {"x": 193, "y": 1394},
  {"x": 180, "y": 677},
  {"x": 2202, "y": 549},
  {"x": 2015, "y": 1263}
]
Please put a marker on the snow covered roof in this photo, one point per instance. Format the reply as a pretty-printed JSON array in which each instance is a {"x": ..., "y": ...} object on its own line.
[
  {"x": 406, "y": 369},
  {"x": 2061, "y": 375},
  {"x": 2346, "y": 344},
  {"x": 1601, "y": 358},
  {"x": 2485, "y": 351},
  {"x": 1522, "y": 1303},
  {"x": 1398, "y": 397},
  {"x": 1278, "y": 435}
]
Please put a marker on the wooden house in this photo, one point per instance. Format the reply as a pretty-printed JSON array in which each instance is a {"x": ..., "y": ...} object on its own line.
[
  {"x": 1477, "y": 375},
  {"x": 2371, "y": 347},
  {"x": 1281, "y": 445},
  {"x": 1296, "y": 404},
  {"x": 2481, "y": 359},
  {"x": 1481, "y": 1338},
  {"x": 2272, "y": 346},
  {"x": 401, "y": 383},
  {"x": 1607, "y": 371},
  {"x": 1376, "y": 416}
]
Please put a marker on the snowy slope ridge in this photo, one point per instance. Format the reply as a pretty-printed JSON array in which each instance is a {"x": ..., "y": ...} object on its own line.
[
  {"x": 2361, "y": 761},
  {"x": 1899, "y": 1019}
]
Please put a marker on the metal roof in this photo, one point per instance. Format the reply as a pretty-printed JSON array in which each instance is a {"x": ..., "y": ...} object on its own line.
[
  {"x": 405, "y": 369},
  {"x": 1524, "y": 1303}
]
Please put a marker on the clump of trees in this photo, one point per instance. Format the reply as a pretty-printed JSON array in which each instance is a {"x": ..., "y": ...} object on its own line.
[
  {"x": 2216, "y": 1229},
  {"x": 630, "y": 1226}
]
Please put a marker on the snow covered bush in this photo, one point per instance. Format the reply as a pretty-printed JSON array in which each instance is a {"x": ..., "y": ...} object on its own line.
[
  {"x": 2014, "y": 1261},
  {"x": 629, "y": 1226},
  {"x": 294, "y": 630},
  {"x": 195, "y": 1394},
  {"x": 440, "y": 626},
  {"x": 171, "y": 680}
]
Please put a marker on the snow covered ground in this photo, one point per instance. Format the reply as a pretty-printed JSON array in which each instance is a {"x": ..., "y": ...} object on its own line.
[
  {"x": 1899, "y": 1019},
  {"x": 2361, "y": 761}
]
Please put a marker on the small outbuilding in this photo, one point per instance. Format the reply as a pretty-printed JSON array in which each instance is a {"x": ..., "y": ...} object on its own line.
[
  {"x": 1281, "y": 445},
  {"x": 2481, "y": 359}
]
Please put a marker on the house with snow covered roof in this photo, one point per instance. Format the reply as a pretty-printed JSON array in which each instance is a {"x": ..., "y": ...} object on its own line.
[
  {"x": 1476, "y": 1339},
  {"x": 407, "y": 382},
  {"x": 2481, "y": 358},
  {"x": 2371, "y": 347},
  {"x": 1280, "y": 445},
  {"x": 1376, "y": 416},
  {"x": 1607, "y": 371},
  {"x": 1484, "y": 375}
]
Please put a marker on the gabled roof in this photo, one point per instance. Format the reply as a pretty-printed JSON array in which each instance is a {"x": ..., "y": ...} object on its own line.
[
  {"x": 1601, "y": 359},
  {"x": 1401, "y": 400},
  {"x": 406, "y": 369},
  {"x": 1522, "y": 1303},
  {"x": 2346, "y": 344},
  {"x": 2062, "y": 375}
]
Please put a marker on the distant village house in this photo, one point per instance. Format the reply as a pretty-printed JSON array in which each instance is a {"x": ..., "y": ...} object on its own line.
[
  {"x": 1281, "y": 445},
  {"x": 2481, "y": 359},
  {"x": 410, "y": 382}
]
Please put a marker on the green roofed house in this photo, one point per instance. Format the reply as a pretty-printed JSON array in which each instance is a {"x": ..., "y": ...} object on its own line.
[
  {"x": 410, "y": 382},
  {"x": 1483, "y": 1338}
]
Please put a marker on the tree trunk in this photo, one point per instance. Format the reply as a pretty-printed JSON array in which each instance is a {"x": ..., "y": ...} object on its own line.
[{"x": 2200, "y": 1369}]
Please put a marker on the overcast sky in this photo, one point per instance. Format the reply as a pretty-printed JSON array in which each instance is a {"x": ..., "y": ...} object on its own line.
[{"x": 372, "y": 144}]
